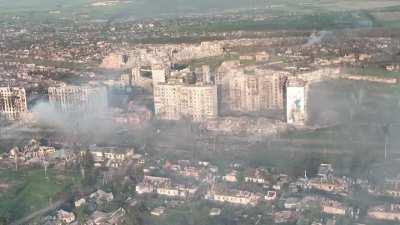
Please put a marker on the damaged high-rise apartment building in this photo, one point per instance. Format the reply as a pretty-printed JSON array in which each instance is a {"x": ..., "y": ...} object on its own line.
[
  {"x": 296, "y": 101},
  {"x": 250, "y": 90},
  {"x": 67, "y": 99},
  {"x": 174, "y": 101},
  {"x": 12, "y": 103},
  {"x": 182, "y": 95}
]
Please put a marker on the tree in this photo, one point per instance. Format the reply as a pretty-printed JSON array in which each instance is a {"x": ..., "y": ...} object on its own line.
[
  {"x": 240, "y": 177},
  {"x": 82, "y": 214},
  {"x": 308, "y": 162},
  {"x": 132, "y": 216},
  {"x": 88, "y": 171},
  {"x": 344, "y": 221},
  {"x": 312, "y": 212},
  {"x": 3, "y": 220},
  {"x": 122, "y": 188}
]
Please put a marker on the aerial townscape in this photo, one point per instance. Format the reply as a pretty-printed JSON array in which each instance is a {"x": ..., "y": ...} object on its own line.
[{"x": 189, "y": 112}]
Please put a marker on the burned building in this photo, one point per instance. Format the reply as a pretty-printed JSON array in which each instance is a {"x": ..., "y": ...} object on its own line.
[
  {"x": 256, "y": 92},
  {"x": 69, "y": 99},
  {"x": 174, "y": 101},
  {"x": 146, "y": 76},
  {"x": 12, "y": 103},
  {"x": 295, "y": 101},
  {"x": 203, "y": 74},
  {"x": 250, "y": 89}
]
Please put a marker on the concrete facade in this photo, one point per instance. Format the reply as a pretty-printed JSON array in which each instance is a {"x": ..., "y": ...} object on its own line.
[
  {"x": 177, "y": 101},
  {"x": 12, "y": 103}
]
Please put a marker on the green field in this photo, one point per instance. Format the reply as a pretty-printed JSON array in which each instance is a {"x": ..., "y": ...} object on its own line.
[
  {"x": 132, "y": 8},
  {"x": 213, "y": 62},
  {"x": 31, "y": 191},
  {"x": 319, "y": 21}
]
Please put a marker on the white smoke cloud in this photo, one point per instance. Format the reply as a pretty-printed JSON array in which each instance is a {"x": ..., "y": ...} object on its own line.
[{"x": 318, "y": 37}]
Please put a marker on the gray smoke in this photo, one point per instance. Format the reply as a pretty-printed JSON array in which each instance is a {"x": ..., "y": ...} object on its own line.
[
  {"x": 318, "y": 37},
  {"x": 46, "y": 121}
]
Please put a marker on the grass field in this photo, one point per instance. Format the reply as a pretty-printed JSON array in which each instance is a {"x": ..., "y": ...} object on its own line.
[
  {"x": 213, "y": 62},
  {"x": 31, "y": 191},
  {"x": 318, "y": 21}
]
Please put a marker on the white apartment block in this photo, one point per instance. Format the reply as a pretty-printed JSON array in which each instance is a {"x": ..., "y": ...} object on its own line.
[
  {"x": 78, "y": 98},
  {"x": 177, "y": 101}
]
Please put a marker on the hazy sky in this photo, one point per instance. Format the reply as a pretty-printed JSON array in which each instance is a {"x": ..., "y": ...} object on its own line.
[{"x": 135, "y": 8}]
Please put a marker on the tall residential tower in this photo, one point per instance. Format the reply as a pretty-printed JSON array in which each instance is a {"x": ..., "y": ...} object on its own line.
[
  {"x": 295, "y": 101},
  {"x": 174, "y": 101},
  {"x": 68, "y": 99},
  {"x": 12, "y": 103}
]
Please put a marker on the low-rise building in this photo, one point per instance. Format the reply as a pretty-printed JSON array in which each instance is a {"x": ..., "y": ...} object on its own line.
[
  {"x": 215, "y": 212},
  {"x": 271, "y": 195},
  {"x": 158, "y": 211},
  {"x": 385, "y": 212},
  {"x": 262, "y": 56},
  {"x": 390, "y": 187},
  {"x": 258, "y": 176},
  {"x": 184, "y": 168},
  {"x": 78, "y": 203},
  {"x": 165, "y": 187},
  {"x": 102, "y": 196},
  {"x": 328, "y": 206},
  {"x": 240, "y": 197},
  {"x": 333, "y": 207},
  {"x": 177, "y": 190},
  {"x": 65, "y": 217},
  {"x": 32, "y": 151},
  {"x": 191, "y": 171},
  {"x": 231, "y": 176},
  {"x": 292, "y": 203},
  {"x": 109, "y": 156},
  {"x": 281, "y": 181},
  {"x": 115, "y": 217},
  {"x": 285, "y": 216},
  {"x": 325, "y": 171},
  {"x": 144, "y": 188},
  {"x": 333, "y": 185}
]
